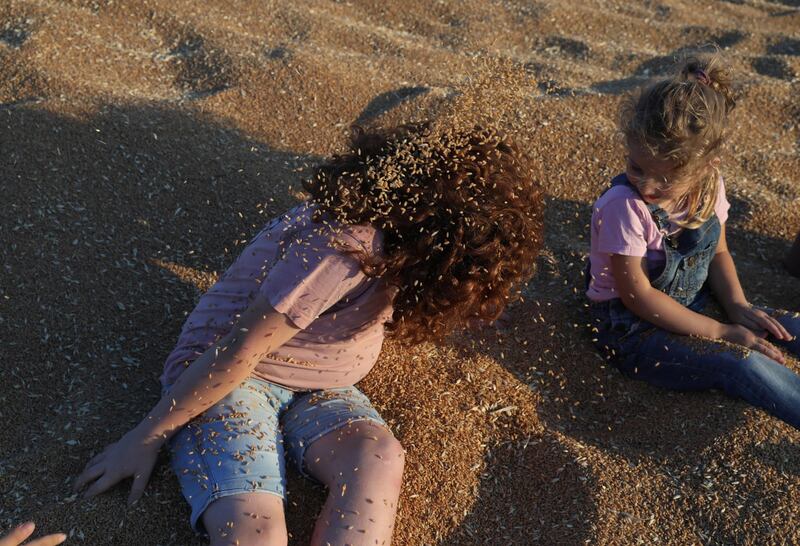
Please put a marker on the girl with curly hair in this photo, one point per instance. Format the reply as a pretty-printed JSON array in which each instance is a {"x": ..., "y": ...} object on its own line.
[{"x": 413, "y": 233}]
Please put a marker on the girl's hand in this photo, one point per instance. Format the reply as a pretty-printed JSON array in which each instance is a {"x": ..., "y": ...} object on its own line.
[
  {"x": 758, "y": 321},
  {"x": 133, "y": 455},
  {"x": 736, "y": 333},
  {"x": 20, "y": 533}
]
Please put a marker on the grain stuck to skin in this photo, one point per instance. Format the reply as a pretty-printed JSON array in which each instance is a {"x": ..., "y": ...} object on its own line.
[{"x": 144, "y": 146}]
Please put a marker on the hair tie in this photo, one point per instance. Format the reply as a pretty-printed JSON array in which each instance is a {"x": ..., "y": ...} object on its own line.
[{"x": 702, "y": 77}]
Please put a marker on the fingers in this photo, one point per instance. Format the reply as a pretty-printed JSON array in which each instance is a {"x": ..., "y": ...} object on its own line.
[
  {"x": 771, "y": 325},
  {"x": 139, "y": 483},
  {"x": 96, "y": 459},
  {"x": 101, "y": 485},
  {"x": 750, "y": 320},
  {"x": 764, "y": 321},
  {"x": 786, "y": 335},
  {"x": 88, "y": 475},
  {"x": 18, "y": 534},
  {"x": 768, "y": 349},
  {"x": 49, "y": 540}
]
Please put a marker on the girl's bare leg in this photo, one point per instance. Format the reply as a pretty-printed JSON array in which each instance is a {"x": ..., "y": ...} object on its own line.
[
  {"x": 247, "y": 519},
  {"x": 362, "y": 466}
]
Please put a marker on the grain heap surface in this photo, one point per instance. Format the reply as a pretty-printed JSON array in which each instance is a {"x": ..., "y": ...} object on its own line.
[{"x": 143, "y": 143}]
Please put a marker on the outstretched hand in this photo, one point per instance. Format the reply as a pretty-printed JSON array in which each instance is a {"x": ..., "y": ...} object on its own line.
[
  {"x": 20, "y": 533},
  {"x": 132, "y": 456},
  {"x": 736, "y": 333},
  {"x": 758, "y": 321}
]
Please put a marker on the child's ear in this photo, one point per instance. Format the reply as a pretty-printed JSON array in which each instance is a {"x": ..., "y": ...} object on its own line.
[{"x": 714, "y": 163}]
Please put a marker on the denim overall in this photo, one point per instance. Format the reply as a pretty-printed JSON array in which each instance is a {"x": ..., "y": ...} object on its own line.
[{"x": 644, "y": 351}]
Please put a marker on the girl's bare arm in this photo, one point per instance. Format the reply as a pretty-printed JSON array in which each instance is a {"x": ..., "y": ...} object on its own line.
[
  {"x": 723, "y": 278},
  {"x": 220, "y": 369},
  {"x": 655, "y": 306},
  {"x": 728, "y": 290}
]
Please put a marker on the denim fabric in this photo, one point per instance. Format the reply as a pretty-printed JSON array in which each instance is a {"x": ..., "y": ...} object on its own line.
[
  {"x": 688, "y": 259},
  {"x": 238, "y": 445},
  {"x": 644, "y": 351},
  {"x": 688, "y": 254}
]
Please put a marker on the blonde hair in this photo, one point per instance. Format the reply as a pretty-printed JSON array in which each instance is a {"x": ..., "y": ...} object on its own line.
[{"x": 683, "y": 119}]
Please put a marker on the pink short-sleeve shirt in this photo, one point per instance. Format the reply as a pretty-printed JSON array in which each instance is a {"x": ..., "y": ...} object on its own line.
[
  {"x": 307, "y": 274},
  {"x": 622, "y": 224}
]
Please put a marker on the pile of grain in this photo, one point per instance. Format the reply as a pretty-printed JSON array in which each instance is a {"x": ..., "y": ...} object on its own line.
[{"x": 144, "y": 142}]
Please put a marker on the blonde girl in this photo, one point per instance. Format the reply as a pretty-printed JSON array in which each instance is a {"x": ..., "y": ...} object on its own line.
[{"x": 659, "y": 249}]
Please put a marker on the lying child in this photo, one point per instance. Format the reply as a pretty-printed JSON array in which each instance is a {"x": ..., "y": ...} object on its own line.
[{"x": 412, "y": 232}]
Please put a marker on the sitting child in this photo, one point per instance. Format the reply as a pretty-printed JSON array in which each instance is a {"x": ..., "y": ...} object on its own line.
[
  {"x": 413, "y": 233},
  {"x": 658, "y": 244}
]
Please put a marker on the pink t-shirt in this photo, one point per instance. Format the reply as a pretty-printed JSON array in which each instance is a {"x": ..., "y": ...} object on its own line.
[
  {"x": 622, "y": 224},
  {"x": 295, "y": 262}
]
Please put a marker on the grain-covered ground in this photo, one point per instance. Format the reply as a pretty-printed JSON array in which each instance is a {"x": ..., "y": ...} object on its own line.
[{"x": 143, "y": 142}]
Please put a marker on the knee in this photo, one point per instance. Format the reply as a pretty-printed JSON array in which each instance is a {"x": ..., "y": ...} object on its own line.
[
  {"x": 235, "y": 539},
  {"x": 389, "y": 451},
  {"x": 760, "y": 371},
  {"x": 250, "y": 518},
  {"x": 757, "y": 364},
  {"x": 241, "y": 532},
  {"x": 374, "y": 443},
  {"x": 369, "y": 448}
]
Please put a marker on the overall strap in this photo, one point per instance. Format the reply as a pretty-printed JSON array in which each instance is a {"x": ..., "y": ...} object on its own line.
[
  {"x": 620, "y": 180},
  {"x": 660, "y": 216}
]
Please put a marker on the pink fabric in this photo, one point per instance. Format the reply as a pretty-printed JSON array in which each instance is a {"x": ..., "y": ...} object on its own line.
[
  {"x": 304, "y": 270},
  {"x": 622, "y": 224}
]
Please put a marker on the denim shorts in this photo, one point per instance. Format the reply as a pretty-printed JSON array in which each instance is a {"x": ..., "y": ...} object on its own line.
[{"x": 239, "y": 445}]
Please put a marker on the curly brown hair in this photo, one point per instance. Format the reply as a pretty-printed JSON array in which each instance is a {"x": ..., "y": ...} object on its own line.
[{"x": 460, "y": 213}]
